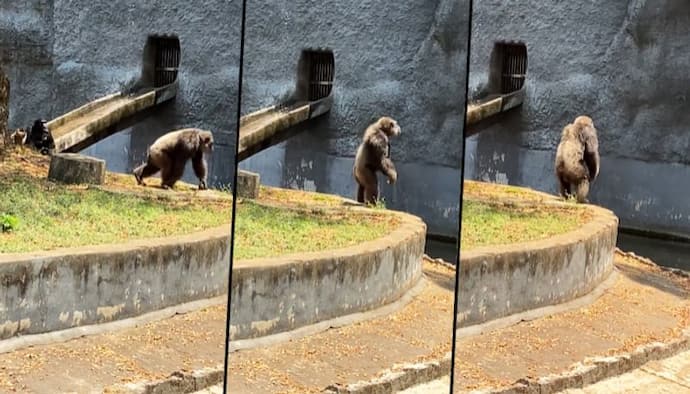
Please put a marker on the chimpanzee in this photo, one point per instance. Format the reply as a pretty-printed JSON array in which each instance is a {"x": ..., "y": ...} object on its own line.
[{"x": 40, "y": 137}]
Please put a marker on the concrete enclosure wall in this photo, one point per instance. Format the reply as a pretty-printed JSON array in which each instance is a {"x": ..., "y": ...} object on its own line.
[
  {"x": 499, "y": 281},
  {"x": 275, "y": 295},
  {"x": 624, "y": 64},
  {"x": 60, "y": 54},
  {"x": 403, "y": 59},
  {"x": 50, "y": 291}
]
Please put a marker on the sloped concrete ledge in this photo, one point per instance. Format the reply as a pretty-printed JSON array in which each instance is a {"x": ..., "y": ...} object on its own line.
[
  {"x": 275, "y": 295},
  {"x": 499, "y": 281}
]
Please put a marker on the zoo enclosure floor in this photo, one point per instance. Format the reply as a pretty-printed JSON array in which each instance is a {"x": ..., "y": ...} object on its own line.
[
  {"x": 644, "y": 305},
  {"x": 419, "y": 331}
]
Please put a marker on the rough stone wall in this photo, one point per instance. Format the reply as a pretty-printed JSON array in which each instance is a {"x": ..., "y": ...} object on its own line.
[
  {"x": 623, "y": 63},
  {"x": 26, "y": 54},
  {"x": 403, "y": 59},
  {"x": 90, "y": 49}
]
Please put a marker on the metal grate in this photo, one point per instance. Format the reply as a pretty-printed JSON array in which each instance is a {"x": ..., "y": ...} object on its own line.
[
  {"x": 513, "y": 66},
  {"x": 167, "y": 62},
  {"x": 321, "y": 70}
]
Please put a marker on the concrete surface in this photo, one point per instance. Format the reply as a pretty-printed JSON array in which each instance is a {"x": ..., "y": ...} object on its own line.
[
  {"x": 76, "y": 169},
  {"x": 668, "y": 376},
  {"x": 60, "y": 54},
  {"x": 274, "y": 295},
  {"x": 217, "y": 389},
  {"x": 248, "y": 184},
  {"x": 499, "y": 281},
  {"x": 189, "y": 342},
  {"x": 418, "y": 333},
  {"x": 439, "y": 386},
  {"x": 61, "y": 289},
  {"x": 623, "y": 63},
  {"x": 645, "y": 306},
  {"x": 92, "y": 364},
  {"x": 406, "y": 60}
]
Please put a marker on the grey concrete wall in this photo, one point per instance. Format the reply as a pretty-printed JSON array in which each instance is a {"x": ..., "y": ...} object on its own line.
[
  {"x": 61, "y": 54},
  {"x": 623, "y": 63},
  {"x": 499, "y": 281},
  {"x": 403, "y": 59},
  {"x": 50, "y": 291},
  {"x": 275, "y": 295}
]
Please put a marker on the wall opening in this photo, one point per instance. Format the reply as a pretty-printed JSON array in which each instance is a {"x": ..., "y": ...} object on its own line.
[
  {"x": 508, "y": 67},
  {"x": 162, "y": 55},
  {"x": 315, "y": 74}
]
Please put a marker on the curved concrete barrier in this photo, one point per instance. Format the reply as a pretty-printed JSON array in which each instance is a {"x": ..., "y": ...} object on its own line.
[
  {"x": 66, "y": 288},
  {"x": 498, "y": 281},
  {"x": 274, "y": 295}
]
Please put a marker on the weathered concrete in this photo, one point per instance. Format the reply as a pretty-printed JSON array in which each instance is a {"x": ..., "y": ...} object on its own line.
[
  {"x": 62, "y": 54},
  {"x": 89, "y": 122},
  {"x": 266, "y": 127},
  {"x": 400, "y": 378},
  {"x": 624, "y": 64},
  {"x": 406, "y": 60},
  {"x": 72, "y": 168},
  {"x": 499, "y": 281},
  {"x": 175, "y": 383},
  {"x": 62, "y": 289},
  {"x": 279, "y": 294},
  {"x": 49, "y": 291},
  {"x": 669, "y": 376},
  {"x": 595, "y": 369},
  {"x": 248, "y": 184}
]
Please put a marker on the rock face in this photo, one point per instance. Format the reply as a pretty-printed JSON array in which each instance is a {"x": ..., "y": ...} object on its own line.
[
  {"x": 248, "y": 184},
  {"x": 72, "y": 168}
]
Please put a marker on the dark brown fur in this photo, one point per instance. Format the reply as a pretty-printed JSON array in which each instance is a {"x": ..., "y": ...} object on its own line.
[
  {"x": 18, "y": 137},
  {"x": 373, "y": 155},
  {"x": 577, "y": 159},
  {"x": 588, "y": 134},
  {"x": 169, "y": 155}
]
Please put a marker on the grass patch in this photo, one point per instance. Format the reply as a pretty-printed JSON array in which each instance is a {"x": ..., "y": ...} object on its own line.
[
  {"x": 51, "y": 216},
  {"x": 37, "y": 215},
  {"x": 267, "y": 232},
  {"x": 484, "y": 224}
]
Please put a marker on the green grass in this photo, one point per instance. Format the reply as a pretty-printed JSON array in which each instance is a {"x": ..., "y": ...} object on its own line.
[
  {"x": 484, "y": 224},
  {"x": 267, "y": 232},
  {"x": 52, "y": 216}
]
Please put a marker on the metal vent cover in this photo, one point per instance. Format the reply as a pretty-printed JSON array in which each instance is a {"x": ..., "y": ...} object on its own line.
[
  {"x": 167, "y": 60},
  {"x": 320, "y": 75},
  {"x": 508, "y": 66}
]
